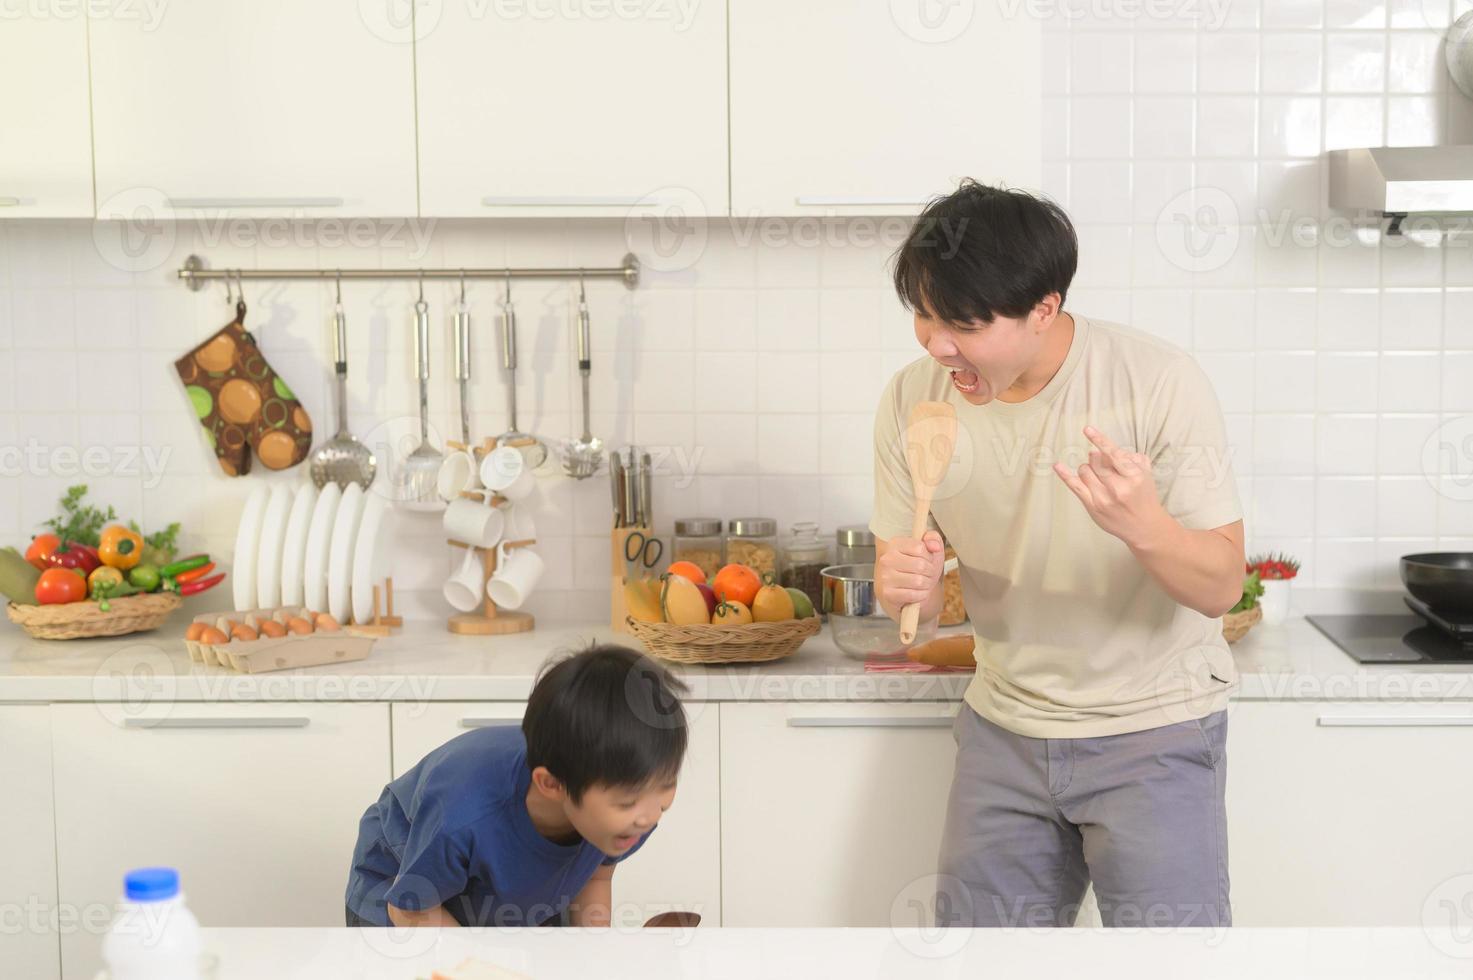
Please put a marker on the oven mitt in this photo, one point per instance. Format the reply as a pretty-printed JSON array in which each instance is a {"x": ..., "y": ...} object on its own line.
[{"x": 242, "y": 403}]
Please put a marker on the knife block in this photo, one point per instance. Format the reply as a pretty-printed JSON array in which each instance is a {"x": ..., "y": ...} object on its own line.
[{"x": 618, "y": 608}]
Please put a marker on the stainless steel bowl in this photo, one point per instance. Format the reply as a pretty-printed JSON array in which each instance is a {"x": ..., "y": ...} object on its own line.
[{"x": 860, "y": 627}]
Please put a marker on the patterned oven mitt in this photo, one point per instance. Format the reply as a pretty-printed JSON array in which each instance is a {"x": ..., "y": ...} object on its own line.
[{"x": 242, "y": 403}]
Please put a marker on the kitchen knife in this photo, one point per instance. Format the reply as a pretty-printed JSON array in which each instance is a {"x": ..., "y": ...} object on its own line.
[{"x": 646, "y": 493}]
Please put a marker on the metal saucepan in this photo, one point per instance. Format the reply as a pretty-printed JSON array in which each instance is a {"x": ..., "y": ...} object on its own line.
[
  {"x": 1441, "y": 579},
  {"x": 860, "y": 626}
]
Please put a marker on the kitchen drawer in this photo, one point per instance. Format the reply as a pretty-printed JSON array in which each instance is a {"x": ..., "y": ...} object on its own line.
[
  {"x": 257, "y": 805},
  {"x": 831, "y": 814},
  {"x": 678, "y": 868},
  {"x": 1349, "y": 814}
]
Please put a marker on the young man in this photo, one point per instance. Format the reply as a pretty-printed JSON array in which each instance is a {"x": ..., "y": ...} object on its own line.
[
  {"x": 1093, "y": 510},
  {"x": 523, "y": 827}
]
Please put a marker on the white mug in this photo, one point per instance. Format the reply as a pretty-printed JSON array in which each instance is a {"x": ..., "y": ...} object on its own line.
[
  {"x": 463, "y": 588},
  {"x": 516, "y": 576},
  {"x": 505, "y": 471},
  {"x": 519, "y": 525},
  {"x": 473, "y": 522},
  {"x": 459, "y": 472}
]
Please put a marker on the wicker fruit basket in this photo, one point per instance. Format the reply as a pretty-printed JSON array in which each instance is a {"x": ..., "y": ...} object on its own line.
[
  {"x": 1236, "y": 625},
  {"x": 79, "y": 620},
  {"x": 702, "y": 644}
]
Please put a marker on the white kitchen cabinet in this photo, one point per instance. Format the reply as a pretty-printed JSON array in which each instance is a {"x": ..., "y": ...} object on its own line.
[
  {"x": 30, "y": 919},
  {"x": 254, "y": 108},
  {"x": 45, "y": 140},
  {"x": 1349, "y": 814},
  {"x": 678, "y": 868},
  {"x": 831, "y": 814},
  {"x": 528, "y": 112},
  {"x": 257, "y": 805},
  {"x": 872, "y": 108}
]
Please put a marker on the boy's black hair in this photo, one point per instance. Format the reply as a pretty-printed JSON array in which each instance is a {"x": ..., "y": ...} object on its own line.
[
  {"x": 606, "y": 715},
  {"x": 982, "y": 252}
]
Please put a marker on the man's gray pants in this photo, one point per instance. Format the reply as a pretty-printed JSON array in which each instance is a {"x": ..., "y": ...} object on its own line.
[{"x": 1032, "y": 821}]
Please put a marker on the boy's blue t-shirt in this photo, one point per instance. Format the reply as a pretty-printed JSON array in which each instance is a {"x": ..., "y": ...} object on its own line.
[{"x": 455, "y": 831}]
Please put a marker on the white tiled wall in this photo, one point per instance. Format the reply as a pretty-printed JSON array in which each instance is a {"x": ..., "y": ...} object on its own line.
[{"x": 1189, "y": 153}]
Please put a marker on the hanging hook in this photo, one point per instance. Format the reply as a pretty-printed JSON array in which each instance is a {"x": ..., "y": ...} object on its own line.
[
  {"x": 239, "y": 289},
  {"x": 462, "y": 287},
  {"x": 421, "y": 288},
  {"x": 228, "y": 293},
  {"x": 339, "y": 279},
  {"x": 582, "y": 296}
]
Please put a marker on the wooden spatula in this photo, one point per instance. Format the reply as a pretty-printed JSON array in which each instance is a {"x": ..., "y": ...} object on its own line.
[{"x": 930, "y": 438}]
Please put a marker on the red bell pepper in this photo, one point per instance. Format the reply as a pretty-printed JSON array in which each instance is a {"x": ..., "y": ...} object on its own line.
[{"x": 75, "y": 555}]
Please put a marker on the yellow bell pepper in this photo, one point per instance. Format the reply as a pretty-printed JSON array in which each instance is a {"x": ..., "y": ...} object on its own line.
[{"x": 120, "y": 547}]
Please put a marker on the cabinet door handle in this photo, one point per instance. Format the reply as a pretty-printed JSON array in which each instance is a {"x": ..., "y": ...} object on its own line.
[
  {"x": 1396, "y": 721},
  {"x": 568, "y": 201},
  {"x": 10, "y": 202},
  {"x": 889, "y": 721},
  {"x": 851, "y": 200},
  {"x": 283, "y": 722},
  {"x": 490, "y": 722},
  {"x": 256, "y": 202}
]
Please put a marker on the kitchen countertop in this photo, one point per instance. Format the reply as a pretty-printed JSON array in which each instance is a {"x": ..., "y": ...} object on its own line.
[
  {"x": 739, "y": 954},
  {"x": 423, "y": 662}
]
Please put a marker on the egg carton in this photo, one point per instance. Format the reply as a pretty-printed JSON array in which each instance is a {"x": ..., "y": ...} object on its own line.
[{"x": 258, "y": 656}]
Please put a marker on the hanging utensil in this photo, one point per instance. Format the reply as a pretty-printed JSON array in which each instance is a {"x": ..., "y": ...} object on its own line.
[
  {"x": 534, "y": 452},
  {"x": 583, "y": 456},
  {"x": 423, "y": 465},
  {"x": 342, "y": 459},
  {"x": 463, "y": 361}
]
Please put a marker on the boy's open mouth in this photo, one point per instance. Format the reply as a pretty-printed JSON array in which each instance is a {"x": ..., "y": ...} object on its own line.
[{"x": 965, "y": 381}]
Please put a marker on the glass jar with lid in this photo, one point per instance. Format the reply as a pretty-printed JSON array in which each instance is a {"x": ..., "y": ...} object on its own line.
[
  {"x": 698, "y": 540},
  {"x": 805, "y": 556},
  {"x": 856, "y": 545},
  {"x": 752, "y": 541}
]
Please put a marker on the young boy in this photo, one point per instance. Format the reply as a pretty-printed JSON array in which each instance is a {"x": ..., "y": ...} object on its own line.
[{"x": 523, "y": 827}]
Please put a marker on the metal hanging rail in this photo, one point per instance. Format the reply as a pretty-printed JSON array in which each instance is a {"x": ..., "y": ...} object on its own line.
[{"x": 195, "y": 274}]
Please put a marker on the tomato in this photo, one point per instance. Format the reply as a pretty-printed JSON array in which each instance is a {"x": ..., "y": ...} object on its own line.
[
  {"x": 736, "y": 583},
  {"x": 60, "y": 585},
  {"x": 42, "y": 545}
]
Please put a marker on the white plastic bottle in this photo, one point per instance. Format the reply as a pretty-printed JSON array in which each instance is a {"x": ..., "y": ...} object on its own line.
[{"x": 154, "y": 935}]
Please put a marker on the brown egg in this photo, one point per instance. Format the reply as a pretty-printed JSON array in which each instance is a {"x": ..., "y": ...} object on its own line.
[
  {"x": 226, "y": 625},
  {"x": 272, "y": 629},
  {"x": 326, "y": 622},
  {"x": 244, "y": 633},
  {"x": 195, "y": 629},
  {"x": 299, "y": 626},
  {"x": 213, "y": 636}
]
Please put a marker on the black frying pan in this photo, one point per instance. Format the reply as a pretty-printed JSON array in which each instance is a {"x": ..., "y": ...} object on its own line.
[{"x": 1442, "y": 579}]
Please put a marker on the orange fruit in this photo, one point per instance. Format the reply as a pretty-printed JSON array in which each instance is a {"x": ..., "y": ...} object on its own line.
[
  {"x": 688, "y": 569},
  {"x": 736, "y": 583}
]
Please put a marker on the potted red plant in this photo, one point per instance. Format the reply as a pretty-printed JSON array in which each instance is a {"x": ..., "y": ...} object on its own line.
[{"x": 1276, "y": 571}]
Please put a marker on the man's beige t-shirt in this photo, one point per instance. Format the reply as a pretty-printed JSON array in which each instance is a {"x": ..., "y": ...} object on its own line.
[{"x": 1074, "y": 638}]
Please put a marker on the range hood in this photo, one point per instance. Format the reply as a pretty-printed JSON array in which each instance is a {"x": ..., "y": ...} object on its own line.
[{"x": 1401, "y": 180}]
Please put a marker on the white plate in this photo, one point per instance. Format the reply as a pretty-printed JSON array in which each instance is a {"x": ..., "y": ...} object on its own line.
[
  {"x": 294, "y": 547},
  {"x": 319, "y": 540},
  {"x": 340, "y": 557},
  {"x": 374, "y": 530},
  {"x": 268, "y": 552},
  {"x": 243, "y": 562}
]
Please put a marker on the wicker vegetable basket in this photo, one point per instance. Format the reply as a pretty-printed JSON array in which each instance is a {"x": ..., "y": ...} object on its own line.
[
  {"x": 1236, "y": 625},
  {"x": 702, "y": 644},
  {"x": 79, "y": 620}
]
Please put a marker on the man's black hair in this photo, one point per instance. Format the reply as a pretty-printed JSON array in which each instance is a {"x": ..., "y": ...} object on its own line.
[
  {"x": 982, "y": 252},
  {"x": 606, "y": 715}
]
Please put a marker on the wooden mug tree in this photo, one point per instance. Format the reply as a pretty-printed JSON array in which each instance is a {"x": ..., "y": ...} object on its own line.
[{"x": 490, "y": 620}]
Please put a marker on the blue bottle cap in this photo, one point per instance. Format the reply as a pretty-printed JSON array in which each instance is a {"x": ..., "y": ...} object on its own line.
[{"x": 151, "y": 884}]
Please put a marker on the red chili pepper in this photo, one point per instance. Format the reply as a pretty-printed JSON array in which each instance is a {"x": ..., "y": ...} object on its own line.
[
  {"x": 76, "y": 555},
  {"x": 200, "y": 585},
  {"x": 195, "y": 573}
]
